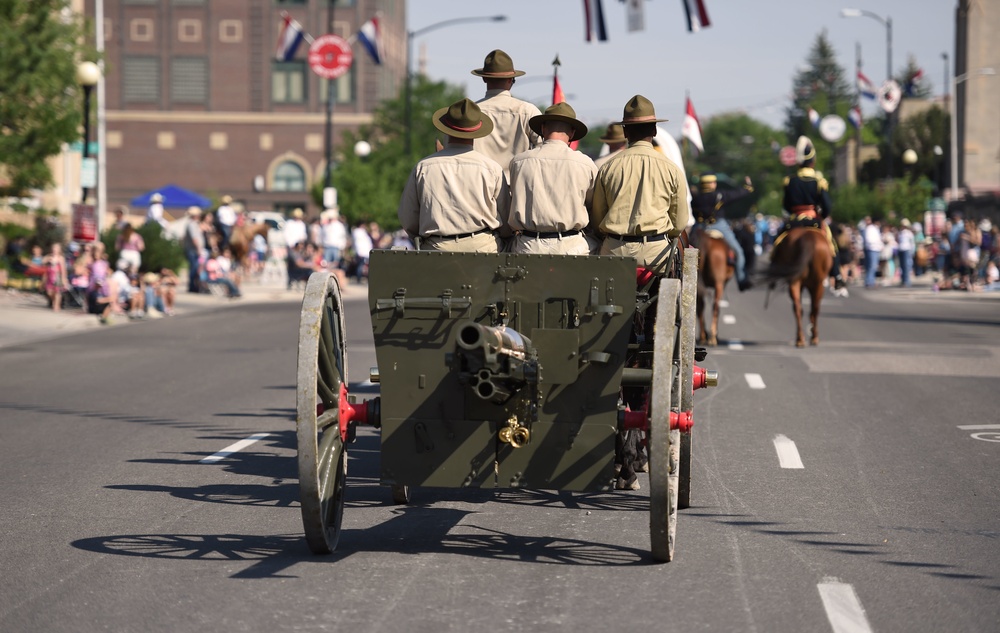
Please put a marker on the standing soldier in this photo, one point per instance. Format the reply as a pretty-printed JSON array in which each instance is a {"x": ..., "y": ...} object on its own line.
[
  {"x": 551, "y": 187},
  {"x": 807, "y": 201},
  {"x": 615, "y": 139},
  {"x": 640, "y": 198},
  {"x": 709, "y": 215},
  {"x": 511, "y": 134},
  {"x": 457, "y": 198}
]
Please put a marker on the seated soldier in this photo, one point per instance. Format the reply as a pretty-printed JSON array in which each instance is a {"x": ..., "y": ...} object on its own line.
[{"x": 708, "y": 207}]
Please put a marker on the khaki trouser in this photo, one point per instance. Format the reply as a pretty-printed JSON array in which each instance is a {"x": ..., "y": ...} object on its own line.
[
  {"x": 652, "y": 255},
  {"x": 569, "y": 245},
  {"x": 479, "y": 243}
]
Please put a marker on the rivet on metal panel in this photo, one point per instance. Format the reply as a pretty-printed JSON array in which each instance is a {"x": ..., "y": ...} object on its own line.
[{"x": 422, "y": 381}]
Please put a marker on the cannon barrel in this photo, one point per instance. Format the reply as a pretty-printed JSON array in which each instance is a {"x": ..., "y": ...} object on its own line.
[{"x": 497, "y": 361}]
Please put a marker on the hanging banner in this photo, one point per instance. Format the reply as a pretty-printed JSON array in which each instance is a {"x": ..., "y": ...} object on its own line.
[
  {"x": 84, "y": 223},
  {"x": 889, "y": 95},
  {"x": 634, "y": 16}
]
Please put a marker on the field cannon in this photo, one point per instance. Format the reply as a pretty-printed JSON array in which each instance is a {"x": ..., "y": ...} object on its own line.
[{"x": 503, "y": 371}]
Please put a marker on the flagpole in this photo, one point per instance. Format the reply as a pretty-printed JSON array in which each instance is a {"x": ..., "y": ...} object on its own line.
[
  {"x": 555, "y": 76},
  {"x": 857, "y": 103},
  {"x": 331, "y": 93}
]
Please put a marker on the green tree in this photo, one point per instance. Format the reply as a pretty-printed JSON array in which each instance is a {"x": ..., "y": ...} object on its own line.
[
  {"x": 369, "y": 187},
  {"x": 39, "y": 97},
  {"x": 819, "y": 86}
]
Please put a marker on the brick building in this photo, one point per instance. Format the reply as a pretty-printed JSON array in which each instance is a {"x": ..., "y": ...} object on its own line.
[{"x": 195, "y": 95}]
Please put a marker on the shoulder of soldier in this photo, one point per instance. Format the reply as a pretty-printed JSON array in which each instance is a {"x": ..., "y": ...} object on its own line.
[
  {"x": 788, "y": 179},
  {"x": 823, "y": 184}
]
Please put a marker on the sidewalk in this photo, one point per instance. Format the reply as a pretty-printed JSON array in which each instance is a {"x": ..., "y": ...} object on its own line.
[{"x": 26, "y": 318}]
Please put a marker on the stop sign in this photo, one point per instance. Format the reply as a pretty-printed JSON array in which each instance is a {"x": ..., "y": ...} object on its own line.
[
  {"x": 787, "y": 156},
  {"x": 330, "y": 56}
]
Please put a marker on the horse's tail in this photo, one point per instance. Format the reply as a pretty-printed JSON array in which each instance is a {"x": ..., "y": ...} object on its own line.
[{"x": 796, "y": 266}]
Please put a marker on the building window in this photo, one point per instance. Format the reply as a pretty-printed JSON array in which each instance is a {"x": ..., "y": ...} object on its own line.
[
  {"x": 189, "y": 2},
  {"x": 288, "y": 82},
  {"x": 344, "y": 85},
  {"x": 141, "y": 78},
  {"x": 140, "y": 30},
  {"x": 189, "y": 80},
  {"x": 139, "y": 1},
  {"x": 188, "y": 30},
  {"x": 230, "y": 31},
  {"x": 289, "y": 176}
]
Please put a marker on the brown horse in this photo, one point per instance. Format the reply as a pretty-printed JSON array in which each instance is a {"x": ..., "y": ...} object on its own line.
[
  {"x": 242, "y": 240},
  {"x": 714, "y": 271},
  {"x": 803, "y": 258}
]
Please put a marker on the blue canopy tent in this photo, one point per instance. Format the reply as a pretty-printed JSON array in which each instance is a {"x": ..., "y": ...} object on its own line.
[{"x": 174, "y": 197}]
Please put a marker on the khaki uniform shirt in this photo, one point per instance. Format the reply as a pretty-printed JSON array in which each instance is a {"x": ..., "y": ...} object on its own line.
[
  {"x": 452, "y": 192},
  {"x": 599, "y": 161},
  {"x": 551, "y": 188},
  {"x": 511, "y": 134},
  {"x": 641, "y": 192}
]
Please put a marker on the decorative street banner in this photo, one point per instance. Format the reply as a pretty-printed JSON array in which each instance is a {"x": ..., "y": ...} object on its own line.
[
  {"x": 889, "y": 95},
  {"x": 84, "y": 222}
]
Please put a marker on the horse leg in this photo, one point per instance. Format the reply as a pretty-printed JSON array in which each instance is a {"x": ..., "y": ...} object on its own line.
[
  {"x": 713, "y": 338},
  {"x": 816, "y": 292},
  {"x": 700, "y": 308},
  {"x": 795, "y": 292}
]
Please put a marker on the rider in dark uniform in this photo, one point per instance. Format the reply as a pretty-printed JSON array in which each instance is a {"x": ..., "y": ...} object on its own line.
[
  {"x": 708, "y": 208},
  {"x": 807, "y": 200}
]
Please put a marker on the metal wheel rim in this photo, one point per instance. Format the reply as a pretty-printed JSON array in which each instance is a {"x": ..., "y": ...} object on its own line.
[
  {"x": 322, "y": 369},
  {"x": 664, "y": 444}
]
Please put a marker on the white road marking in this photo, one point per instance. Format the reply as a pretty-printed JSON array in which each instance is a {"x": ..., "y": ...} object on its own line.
[
  {"x": 234, "y": 448},
  {"x": 728, "y": 319},
  {"x": 843, "y": 608},
  {"x": 755, "y": 381},
  {"x": 788, "y": 455},
  {"x": 735, "y": 343},
  {"x": 989, "y": 432},
  {"x": 723, "y": 304},
  {"x": 979, "y": 427}
]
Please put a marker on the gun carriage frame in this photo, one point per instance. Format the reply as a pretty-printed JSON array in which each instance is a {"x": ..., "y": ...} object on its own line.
[{"x": 506, "y": 371}]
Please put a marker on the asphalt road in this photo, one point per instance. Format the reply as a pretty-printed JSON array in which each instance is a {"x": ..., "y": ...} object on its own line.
[{"x": 835, "y": 488}]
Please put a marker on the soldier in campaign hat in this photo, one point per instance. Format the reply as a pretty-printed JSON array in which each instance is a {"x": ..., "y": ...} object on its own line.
[
  {"x": 552, "y": 187},
  {"x": 640, "y": 198},
  {"x": 511, "y": 134},
  {"x": 614, "y": 137},
  {"x": 457, "y": 198}
]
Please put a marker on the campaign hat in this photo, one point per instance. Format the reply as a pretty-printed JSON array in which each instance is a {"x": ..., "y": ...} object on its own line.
[
  {"x": 639, "y": 109},
  {"x": 227, "y": 199},
  {"x": 463, "y": 119},
  {"x": 156, "y": 197},
  {"x": 498, "y": 65},
  {"x": 614, "y": 134},
  {"x": 562, "y": 112},
  {"x": 193, "y": 210},
  {"x": 297, "y": 213}
]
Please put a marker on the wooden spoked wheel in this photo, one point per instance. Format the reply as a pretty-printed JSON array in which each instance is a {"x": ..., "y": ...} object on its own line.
[
  {"x": 688, "y": 316},
  {"x": 320, "y": 386},
  {"x": 663, "y": 443}
]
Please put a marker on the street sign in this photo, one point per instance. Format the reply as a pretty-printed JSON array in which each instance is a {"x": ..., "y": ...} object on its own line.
[
  {"x": 77, "y": 146},
  {"x": 88, "y": 172},
  {"x": 330, "y": 56},
  {"x": 84, "y": 222},
  {"x": 787, "y": 156},
  {"x": 832, "y": 128}
]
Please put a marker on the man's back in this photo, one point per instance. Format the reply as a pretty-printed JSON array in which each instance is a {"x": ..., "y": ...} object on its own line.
[{"x": 511, "y": 134}]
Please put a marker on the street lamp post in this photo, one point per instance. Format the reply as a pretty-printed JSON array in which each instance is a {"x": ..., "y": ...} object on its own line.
[
  {"x": 87, "y": 74},
  {"x": 410, "y": 35},
  {"x": 887, "y": 23},
  {"x": 953, "y": 115}
]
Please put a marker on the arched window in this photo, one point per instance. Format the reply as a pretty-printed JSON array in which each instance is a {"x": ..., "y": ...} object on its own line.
[{"x": 289, "y": 176}]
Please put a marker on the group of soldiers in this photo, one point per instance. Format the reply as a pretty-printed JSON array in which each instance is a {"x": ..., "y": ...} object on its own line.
[{"x": 509, "y": 180}]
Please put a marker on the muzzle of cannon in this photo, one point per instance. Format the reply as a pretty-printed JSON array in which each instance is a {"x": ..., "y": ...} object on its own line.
[{"x": 496, "y": 362}]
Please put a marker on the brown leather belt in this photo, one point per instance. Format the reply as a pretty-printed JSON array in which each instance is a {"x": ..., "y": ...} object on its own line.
[
  {"x": 639, "y": 238},
  {"x": 460, "y": 236},
  {"x": 808, "y": 210}
]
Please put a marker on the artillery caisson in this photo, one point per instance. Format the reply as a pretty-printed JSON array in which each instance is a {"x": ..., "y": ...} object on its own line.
[{"x": 506, "y": 371}]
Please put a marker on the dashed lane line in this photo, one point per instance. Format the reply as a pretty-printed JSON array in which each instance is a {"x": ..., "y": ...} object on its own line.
[
  {"x": 755, "y": 381},
  {"x": 843, "y": 608},
  {"x": 735, "y": 344},
  {"x": 728, "y": 319},
  {"x": 788, "y": 454},
  {"x": 234, "y": 448}
]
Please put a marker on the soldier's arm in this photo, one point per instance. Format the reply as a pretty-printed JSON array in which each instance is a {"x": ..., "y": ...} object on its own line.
[
  {"x": 680, "y": 211},
  {"x": 409, "y": 207},
  {"x": 824, "y": 195}
]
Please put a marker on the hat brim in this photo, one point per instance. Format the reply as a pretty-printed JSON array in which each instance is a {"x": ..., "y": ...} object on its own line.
[
  {"x": 481, "y": 72},
  {"x": 485, "y": 126},
  {"x": 638, "y": 121},
  {"x": 613, "y": 139},
  {"x": 579, "y": 129}
]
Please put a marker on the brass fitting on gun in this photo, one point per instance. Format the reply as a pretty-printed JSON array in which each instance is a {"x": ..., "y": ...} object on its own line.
[{"x": 514, "y": 433}]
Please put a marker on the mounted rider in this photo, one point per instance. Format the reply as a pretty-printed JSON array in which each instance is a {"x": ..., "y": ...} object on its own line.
[
  {"x": 708, "y": 208},
  {"x": 807, "y": 201}
]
